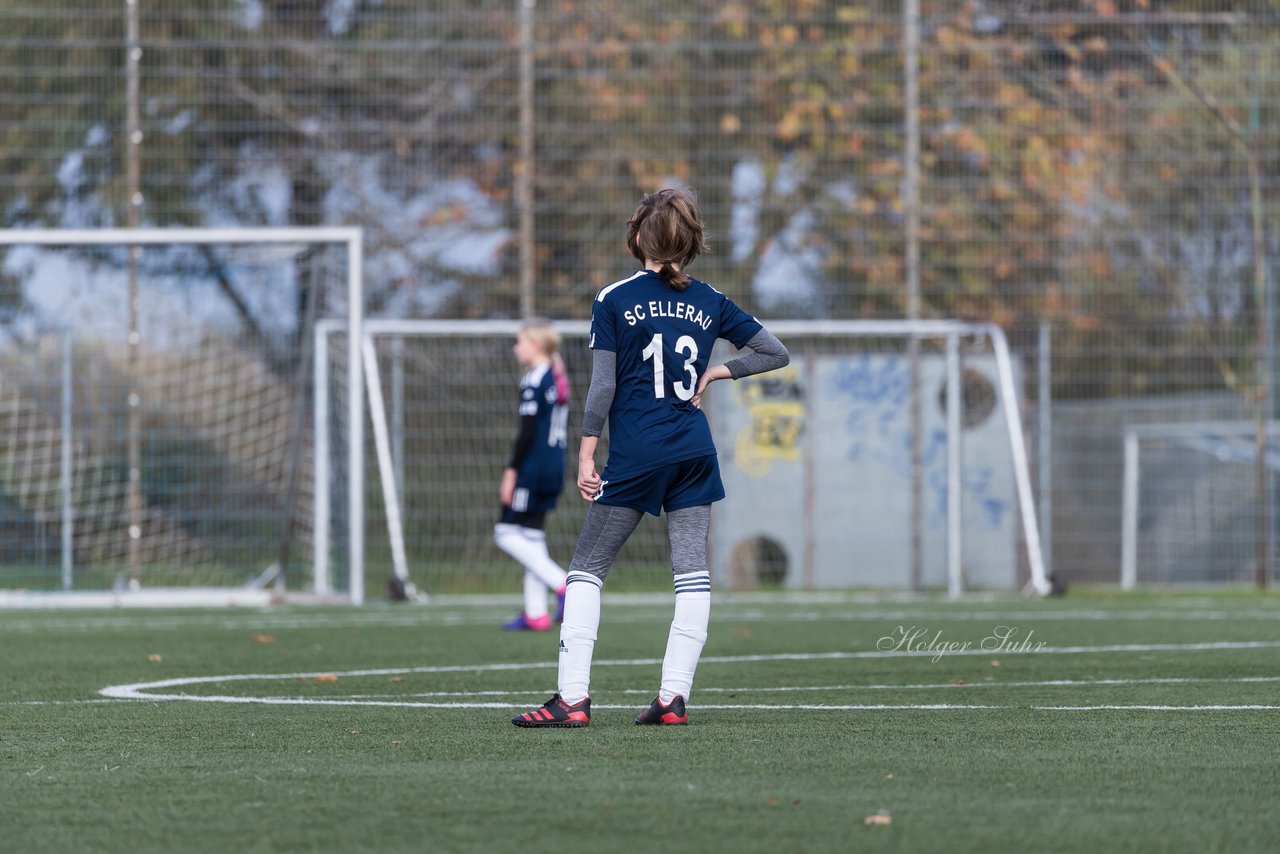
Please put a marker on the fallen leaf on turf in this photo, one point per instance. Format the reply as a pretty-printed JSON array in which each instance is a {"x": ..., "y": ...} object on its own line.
[
  {"x": 262, "y": 639},
  {"x": 397, "y": 741},
  {"x": 878, "y": 818},
  {"x": 395, "y": 678},
  {"x": 155, "y": 656},
  {"x": 995, "y": 664},
  {"x": 957, "y": 682},
  {"x": 327, "y": 677},
  {"x": 357, "y": 732},
  {"x": 771, "y": 802},
  {"x": 889, "y": 776},
  {"x": 742, "y": 632}
]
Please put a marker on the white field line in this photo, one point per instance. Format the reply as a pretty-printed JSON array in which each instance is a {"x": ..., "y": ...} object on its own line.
[
  {"x": 947, "y": 686},
  {"x": 142, "y": 690},
  {"x": 797, "y": 707},
  {"x": 1246, "y": 708},
  {"x": 625, "y": 613}
]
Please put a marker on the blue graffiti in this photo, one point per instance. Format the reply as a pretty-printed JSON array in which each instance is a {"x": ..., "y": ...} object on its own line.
[{"x": 878, "y": 428}]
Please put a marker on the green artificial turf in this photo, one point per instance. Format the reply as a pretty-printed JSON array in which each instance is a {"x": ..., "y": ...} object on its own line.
[{"x": 869, "y": 732}]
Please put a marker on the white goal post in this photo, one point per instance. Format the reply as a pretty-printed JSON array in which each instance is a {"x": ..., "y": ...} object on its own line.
[
  {"x": 388, "y": 451},
  {"x": 1205, "y": 471},
  {"x": 348, "y": 239}
]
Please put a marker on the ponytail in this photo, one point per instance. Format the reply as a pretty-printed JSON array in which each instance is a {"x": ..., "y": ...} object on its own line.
[
  {"x": 667, "y": 228},
  {"x": 561, "y": 378},
  {"x": 677, "y": 279}
]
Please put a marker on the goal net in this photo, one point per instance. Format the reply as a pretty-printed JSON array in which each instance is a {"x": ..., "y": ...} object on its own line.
[
  {"x": 155, "y": 404},
  {"x": 816, "y": 459},
  {"x": 1191, "y": 506}
]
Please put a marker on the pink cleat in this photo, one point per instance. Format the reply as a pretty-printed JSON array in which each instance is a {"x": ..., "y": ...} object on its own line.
[{"x": 525, "y": 623}]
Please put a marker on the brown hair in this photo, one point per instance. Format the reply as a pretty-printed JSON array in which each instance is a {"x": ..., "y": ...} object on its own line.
[{"x": 667, "y": 228}]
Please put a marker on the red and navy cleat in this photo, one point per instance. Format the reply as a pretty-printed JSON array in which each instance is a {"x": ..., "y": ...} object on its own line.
[
  {"x": 556, "y": 712},
  {"x": 672, "y": 714},
  {"x": 525, "y": 623}
]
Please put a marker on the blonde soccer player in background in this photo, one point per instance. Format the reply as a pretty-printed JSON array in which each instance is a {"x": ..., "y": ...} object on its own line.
[{"x": 534, "y": 476}]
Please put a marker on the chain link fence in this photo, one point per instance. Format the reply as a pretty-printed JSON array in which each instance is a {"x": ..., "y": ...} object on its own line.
[{"x": 1098, "y": 177}]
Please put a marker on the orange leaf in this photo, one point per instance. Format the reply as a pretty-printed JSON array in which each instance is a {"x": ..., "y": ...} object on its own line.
[
  {"x": 155, "y": 657},
  {"x": 327, "y": 677},
  {"x": 262, "y": 639},
  {"x": 878, "y": 818}
]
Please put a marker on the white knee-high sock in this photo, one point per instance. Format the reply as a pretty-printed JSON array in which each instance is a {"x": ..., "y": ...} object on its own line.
[
  {"x": 578, "y": 635},
  {"x": 529, "y": 547},
  {"x": 535, "y": 596},
  {"x": 688, "y": 635}
]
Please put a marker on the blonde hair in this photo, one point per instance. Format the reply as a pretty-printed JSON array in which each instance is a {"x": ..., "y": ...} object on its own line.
[
  {"x": 547, "y": 338},
  {"x": 542, "y": 333}
]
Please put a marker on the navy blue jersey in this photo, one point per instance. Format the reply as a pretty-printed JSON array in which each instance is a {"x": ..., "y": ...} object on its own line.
[
  {"x": 540, "y": 467},
  {"x": 662, "y": 339}
]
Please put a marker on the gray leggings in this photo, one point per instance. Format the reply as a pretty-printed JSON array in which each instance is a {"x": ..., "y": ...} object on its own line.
[{"x": 607, "y": 528}]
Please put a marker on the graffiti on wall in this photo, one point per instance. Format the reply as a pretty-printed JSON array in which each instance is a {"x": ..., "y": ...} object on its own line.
[
  {"x": 875, "y": 391},
  {"x": 776, "y": 417}
]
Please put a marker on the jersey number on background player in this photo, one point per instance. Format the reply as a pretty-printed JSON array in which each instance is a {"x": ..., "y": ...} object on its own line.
[
  {"x": 558, "y": 432},
  {"x": 684, "y": 345}
]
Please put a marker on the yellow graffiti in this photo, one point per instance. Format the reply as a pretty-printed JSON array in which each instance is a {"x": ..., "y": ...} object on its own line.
[{"x": 775, "y": 406}]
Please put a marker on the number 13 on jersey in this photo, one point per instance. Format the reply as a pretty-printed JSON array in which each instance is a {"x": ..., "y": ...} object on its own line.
[{"x": 685, "y": 346}]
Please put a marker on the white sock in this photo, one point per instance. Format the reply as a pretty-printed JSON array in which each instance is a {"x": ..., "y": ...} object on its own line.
[
  {"x": 688, "y": 635},
  {"x": 578, "y": 635},
  {"x": 535, "y": 596},
  {"x": 529, "y": 547}
]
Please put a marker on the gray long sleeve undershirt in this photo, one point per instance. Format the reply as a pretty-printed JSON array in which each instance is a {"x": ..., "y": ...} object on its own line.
[{"x": 767, "y": 354}]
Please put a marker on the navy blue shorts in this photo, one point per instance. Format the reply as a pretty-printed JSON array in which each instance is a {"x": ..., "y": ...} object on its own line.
[
  {"x": 529, "y": 508},
  {"x": 535, "y": 519},
  {"x": 675, "y": 486}
]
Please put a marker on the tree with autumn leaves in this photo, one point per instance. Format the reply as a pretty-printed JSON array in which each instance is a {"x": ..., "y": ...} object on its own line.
[{"x": 1082, "y": 163}]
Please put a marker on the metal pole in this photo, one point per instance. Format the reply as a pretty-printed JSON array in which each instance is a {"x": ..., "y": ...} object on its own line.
[
  {"x": 355, "y": 417},
  {"x": 1018, "y": 448},
  {"x": 955, "y": 471},
  {"x": 911, "y": 189},
  {"x": 133, "y": 218},
  {"x": 1129, "y": 517},
  {"x": 1265, "y": 345},
  {"x": 1273, "y": 317},
  {"x": 320, "y": 430},
  {"x": 68, "y": 424},
  {"x": 382, "y": 449},
  {"x": 524, "y": 172},
  {"x": 397, "y": 416},
  {"x": 1044, "y": 423},
  {"x": 810, "y": 453}
]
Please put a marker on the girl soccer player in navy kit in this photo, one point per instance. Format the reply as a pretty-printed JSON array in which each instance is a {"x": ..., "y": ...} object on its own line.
[
  {"x": 534, "y": 478},
  {"x": 651, "y": 337}
]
